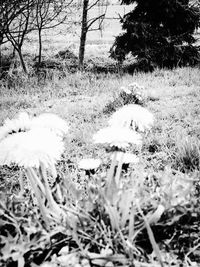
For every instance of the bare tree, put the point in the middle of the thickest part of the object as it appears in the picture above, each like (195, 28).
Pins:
(15, 24)
(49, 14)
(9, 11)
(19, 27)
(88, 23)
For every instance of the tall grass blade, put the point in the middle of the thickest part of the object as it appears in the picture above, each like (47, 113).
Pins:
(151, 236)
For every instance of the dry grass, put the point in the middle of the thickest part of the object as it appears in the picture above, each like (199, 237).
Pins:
(80, 99)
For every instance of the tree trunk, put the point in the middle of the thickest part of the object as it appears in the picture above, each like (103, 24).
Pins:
(40, 47)
(84, 30)
(22, 60)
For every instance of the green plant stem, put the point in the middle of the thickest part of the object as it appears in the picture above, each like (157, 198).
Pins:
(111, 170)
(37, 180)
(21, 182)
(53, 171)
(55, 209)
(119, 169)
(151, 236)
(111, 185)
(37, 194)
(114, 219)
(59, 193)
(131, 224)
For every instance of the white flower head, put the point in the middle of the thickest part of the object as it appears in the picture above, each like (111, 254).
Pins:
(125, 90)
(126, 158)
(117, 137)
(31, 148)
(21, 124)
(137, 90)
(89, 164)
(135, 86)
(51, 122)
(132, 116)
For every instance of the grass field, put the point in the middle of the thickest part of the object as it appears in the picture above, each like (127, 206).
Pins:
(80, 98)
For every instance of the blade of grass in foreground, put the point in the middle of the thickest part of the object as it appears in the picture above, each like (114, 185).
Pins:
(151, 236)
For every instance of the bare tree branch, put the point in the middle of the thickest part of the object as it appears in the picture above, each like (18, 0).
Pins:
(94, 20)
(92, 5)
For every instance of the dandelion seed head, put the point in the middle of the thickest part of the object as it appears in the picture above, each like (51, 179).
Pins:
(137, 90)
(135, 86)
(117, 137)
(89, 164)
(21, 124)
(132, 116)
(31, 148)
(125, 90)
(51, 122)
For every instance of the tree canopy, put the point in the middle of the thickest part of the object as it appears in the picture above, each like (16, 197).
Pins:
(159, 33)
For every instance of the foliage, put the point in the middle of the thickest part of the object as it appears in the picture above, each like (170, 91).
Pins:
(159, 34)
(105, 233)
(132, 95)
(187, 156)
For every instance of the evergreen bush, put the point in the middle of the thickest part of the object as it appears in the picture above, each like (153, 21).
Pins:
(159, 33)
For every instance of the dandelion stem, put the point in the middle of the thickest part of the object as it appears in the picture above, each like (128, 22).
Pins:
(37, 194)
(37, 180)
(110, 178)
(131, 224)
(111, 170)
(114, 218)
(53, 170)
(119, 168)
(53, 205)
(59, 193)
(21, 182)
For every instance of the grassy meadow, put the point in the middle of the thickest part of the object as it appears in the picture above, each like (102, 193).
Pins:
(152, 219)
(170, 151)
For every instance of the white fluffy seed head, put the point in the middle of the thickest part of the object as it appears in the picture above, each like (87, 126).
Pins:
(30, 142)
(117, 136)
(89, 164)
(132, 116)
(51, 122)
(31, 148)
